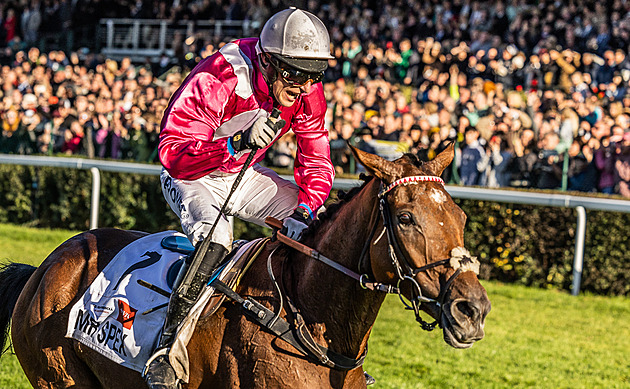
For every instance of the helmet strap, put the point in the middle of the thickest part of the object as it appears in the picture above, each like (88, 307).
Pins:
(270, 75)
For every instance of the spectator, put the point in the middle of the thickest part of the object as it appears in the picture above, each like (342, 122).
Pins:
(622, 165)
(31, 20)
(546, 168)
(339, 152)
(582, 173)
(605, 163)
(73, 139)
(495, 163)
(471, 168)
(9, 25)
(11, 131)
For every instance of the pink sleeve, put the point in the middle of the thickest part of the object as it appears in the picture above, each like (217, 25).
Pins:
(314, 172)
(189, 125)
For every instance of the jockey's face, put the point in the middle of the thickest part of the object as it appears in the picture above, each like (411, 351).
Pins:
(287, 94)
(289, 82)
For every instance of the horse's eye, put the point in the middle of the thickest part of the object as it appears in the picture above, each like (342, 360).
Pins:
(405, 218)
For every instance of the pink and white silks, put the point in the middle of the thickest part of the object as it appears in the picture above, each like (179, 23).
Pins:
(225, 93)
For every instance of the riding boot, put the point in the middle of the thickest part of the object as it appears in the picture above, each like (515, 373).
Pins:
(159, 374)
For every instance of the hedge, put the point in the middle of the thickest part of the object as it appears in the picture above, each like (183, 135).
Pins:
(535, 245)
(522, 244)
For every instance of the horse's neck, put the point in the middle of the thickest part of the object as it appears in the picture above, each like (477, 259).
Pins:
(329, 297)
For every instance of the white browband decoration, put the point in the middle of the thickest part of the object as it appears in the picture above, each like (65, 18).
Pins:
(410, 180)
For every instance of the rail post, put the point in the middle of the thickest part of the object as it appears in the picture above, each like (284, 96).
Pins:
(96, 197)
(578, 259)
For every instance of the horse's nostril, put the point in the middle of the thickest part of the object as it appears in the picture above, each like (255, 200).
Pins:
(467, 309)
(468, 319)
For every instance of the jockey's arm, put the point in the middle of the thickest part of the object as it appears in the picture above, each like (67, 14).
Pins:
(187, 148)
(314, 171)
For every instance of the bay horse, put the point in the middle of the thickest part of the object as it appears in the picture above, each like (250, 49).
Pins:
(400, 230)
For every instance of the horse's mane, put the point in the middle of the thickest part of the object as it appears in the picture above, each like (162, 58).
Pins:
(342, 199)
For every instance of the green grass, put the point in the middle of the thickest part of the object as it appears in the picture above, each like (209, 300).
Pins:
(534, 338)
(29, 245)
(32, 246)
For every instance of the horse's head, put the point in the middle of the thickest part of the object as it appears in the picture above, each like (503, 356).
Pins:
(420, 246)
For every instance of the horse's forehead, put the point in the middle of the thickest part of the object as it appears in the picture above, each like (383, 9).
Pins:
(437, 196)
(424, 193)
(429, 198)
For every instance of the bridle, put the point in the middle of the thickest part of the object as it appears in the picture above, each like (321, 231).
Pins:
(297, 334)
(460, 259)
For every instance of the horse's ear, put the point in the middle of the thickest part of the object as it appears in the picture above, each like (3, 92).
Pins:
(441, 162)
(377, 166)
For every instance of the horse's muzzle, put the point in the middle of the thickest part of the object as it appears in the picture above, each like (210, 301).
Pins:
(463, 321)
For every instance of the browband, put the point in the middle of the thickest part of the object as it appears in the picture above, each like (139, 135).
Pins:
(410, 180)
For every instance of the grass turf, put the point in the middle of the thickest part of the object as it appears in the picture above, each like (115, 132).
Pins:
(534, 338)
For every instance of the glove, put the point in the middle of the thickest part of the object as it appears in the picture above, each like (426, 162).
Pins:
(258, 136)
(294, 225)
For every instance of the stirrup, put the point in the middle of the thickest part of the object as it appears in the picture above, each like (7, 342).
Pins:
(156, 353)
(158, 372)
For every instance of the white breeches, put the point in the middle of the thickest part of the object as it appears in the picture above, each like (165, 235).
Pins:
(197, 203)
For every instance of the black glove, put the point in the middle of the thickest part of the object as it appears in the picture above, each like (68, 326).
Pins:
(294, 225)
(258, 136)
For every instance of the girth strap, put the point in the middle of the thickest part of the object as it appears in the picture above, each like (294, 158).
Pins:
(299, 337)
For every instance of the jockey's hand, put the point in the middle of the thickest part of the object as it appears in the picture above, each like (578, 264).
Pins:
(258, 136)
(294, 225)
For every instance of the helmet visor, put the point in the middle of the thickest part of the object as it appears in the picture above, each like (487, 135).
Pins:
(293, 76)
(305, 64)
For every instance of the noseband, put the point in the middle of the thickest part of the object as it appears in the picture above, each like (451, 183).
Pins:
(460, 259)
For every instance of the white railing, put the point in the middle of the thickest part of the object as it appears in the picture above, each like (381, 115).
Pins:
(149, 38)
(581, 203)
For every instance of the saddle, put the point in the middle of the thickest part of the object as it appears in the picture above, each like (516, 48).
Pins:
(242, 260)
(121, 314)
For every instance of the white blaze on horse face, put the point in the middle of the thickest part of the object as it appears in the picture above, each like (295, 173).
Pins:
(437, 196)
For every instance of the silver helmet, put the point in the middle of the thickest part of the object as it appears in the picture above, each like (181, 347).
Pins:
(297, 38)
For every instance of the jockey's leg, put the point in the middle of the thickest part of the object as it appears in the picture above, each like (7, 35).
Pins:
(186, 293)
(266, 194)
(159, 372)
(197, 203)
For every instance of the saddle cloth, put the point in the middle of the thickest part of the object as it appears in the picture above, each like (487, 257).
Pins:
(117, 317)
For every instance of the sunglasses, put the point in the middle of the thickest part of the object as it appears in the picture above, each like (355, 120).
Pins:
(295, 77)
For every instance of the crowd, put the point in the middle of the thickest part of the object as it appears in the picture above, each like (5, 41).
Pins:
(52, 103)
(535, 94)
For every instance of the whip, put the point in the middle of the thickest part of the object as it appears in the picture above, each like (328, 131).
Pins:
(205, 243)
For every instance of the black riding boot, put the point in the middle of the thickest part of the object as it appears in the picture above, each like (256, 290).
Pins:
(159, 373)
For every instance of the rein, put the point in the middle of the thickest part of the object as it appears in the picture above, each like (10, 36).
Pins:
(299, 336)
(460, 259)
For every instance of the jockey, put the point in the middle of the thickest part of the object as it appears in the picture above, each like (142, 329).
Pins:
(214, 120)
